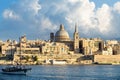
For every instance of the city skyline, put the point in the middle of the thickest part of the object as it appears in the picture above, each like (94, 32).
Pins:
(95, 18)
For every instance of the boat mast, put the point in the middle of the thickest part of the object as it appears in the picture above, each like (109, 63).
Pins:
(20, 50)
(11, 53)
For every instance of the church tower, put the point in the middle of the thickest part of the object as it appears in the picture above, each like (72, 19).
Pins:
(76, 40)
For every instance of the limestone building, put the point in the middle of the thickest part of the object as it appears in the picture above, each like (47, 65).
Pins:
(54, 48)
(8, 47)
(77, 45)
(62, 36)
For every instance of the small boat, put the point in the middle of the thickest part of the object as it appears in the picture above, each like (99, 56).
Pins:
(15, 70)
(58, 62)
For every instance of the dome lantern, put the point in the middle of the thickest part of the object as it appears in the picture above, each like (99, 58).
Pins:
(61, 27)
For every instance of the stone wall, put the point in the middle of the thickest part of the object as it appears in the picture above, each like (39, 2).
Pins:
(114, 59)
(41, 58)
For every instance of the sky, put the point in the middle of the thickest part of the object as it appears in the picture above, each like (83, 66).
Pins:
(37, 18)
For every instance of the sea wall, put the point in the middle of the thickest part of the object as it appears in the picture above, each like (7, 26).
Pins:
(70, 59)
(113, 59)
(41, 58)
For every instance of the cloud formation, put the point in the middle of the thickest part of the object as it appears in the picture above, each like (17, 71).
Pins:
(9, 14)
(37, 18)
(117, 7)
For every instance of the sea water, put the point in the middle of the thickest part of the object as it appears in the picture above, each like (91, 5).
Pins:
(68, 72)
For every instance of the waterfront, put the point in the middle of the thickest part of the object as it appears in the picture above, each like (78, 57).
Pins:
(68, 72)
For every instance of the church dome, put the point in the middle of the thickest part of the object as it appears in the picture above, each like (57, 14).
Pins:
(62, 34)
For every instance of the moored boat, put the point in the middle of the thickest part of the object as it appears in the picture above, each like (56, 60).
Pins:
(58, 62)
(18, 70)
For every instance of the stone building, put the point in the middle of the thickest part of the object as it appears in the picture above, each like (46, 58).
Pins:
(78, 45)
(23, 41)
(107, 51)
(90, 46)
(62, 36)
(55, 48)
(28, 46)
(116, 49)
(8, 47)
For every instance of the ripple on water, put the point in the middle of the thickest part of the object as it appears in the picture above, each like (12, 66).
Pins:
(70, 72)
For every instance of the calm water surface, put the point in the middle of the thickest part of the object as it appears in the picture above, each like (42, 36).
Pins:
(68, 72)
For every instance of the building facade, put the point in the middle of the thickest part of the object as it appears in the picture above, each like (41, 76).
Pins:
(78, 45)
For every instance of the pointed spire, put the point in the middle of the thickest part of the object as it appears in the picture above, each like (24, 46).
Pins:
(76, 28)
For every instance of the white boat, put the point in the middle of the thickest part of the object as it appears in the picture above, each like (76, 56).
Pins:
(58, 62)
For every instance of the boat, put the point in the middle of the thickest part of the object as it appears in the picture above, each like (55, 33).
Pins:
(17, 69)
(58, 62)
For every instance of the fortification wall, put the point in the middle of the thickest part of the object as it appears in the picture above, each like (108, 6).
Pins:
(107, 59)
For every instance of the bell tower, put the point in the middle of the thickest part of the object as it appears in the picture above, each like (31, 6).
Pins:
(76, 40)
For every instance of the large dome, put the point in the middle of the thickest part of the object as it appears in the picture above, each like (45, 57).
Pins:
(62, 34)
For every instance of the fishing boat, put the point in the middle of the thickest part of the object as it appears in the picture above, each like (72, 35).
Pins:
(18, 70)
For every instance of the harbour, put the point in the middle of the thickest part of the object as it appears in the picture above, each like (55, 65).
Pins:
(68, 72)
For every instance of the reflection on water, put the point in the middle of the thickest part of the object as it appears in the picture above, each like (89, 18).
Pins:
(68, 72)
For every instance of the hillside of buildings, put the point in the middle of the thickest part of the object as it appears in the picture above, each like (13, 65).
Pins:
(60, 48)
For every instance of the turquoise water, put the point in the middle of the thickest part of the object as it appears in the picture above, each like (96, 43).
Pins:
(68, 72)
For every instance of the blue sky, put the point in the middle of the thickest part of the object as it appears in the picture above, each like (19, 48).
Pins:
(5, 4)
(37, 18)
(99, 3)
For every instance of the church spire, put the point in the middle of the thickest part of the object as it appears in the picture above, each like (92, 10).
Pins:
(76, 40)
(76, 28)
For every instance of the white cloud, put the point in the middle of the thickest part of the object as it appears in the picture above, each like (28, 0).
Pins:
(83, 14)
(104, 17)
(46, 24)
(43, 16)
(31, 6)
(117, 7)
(92, 21)
(73, 1)
(9, 14)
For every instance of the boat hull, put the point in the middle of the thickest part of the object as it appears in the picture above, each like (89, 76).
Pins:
(15, 70)
(15, 73)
